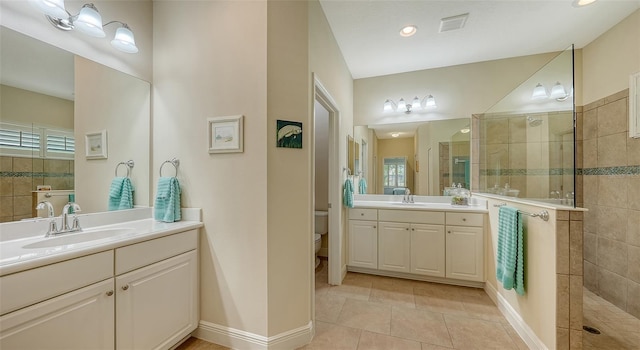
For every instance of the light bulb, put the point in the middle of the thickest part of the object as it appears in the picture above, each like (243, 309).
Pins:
(89, 21)
(124, 40)
(539, 92)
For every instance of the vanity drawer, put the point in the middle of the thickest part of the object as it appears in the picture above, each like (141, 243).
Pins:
(363, 214)
(465, 219)
(146, 253)
(412, 216)
(32, 286)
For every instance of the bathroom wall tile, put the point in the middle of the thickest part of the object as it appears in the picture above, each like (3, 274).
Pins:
(633, 300)
(612, 287)
(562, 300)
(575, 248)
(562, 215)
(612, 223)
(517, 156)
(613, 118)
(6, 163)
(22, 186)
(38, 165)
(579, 157)
(591, 218)
(590, 276)
(612, 150)
(56, 166)
(576, 215)
(72, 167)
(6, 206)
(617, 96)
(590, 247)
(562, 247)
(6, 219)
(519, 182)
(633, 264)
(590, 125)
(37, 181)
(575, 301)
(612, 191)
(633, 151)
(22, 217)
(590, 192)
(579, 125)
(612, 256)
(22, 164)
(575, 339)
(562, 338)
(6, 186)
(517, 129)
(590, 153)
(22, 205)
(593, 105)
(497, 130)
(633, 228)
(633, 192)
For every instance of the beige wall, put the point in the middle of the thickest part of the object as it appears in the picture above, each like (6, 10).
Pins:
(392, 148)
(608, 61)
(321, 135)
(22, 17)
(28, 107)
(102, 105)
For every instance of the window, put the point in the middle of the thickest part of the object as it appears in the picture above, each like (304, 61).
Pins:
(36, 141)
(394, 172)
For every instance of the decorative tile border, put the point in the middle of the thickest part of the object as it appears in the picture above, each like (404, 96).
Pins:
(33, 174)
(614, 170)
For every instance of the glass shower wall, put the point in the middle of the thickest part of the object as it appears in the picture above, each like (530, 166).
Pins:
(525, 142)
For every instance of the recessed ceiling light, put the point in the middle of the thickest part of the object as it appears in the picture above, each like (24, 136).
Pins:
(409, 30)
(580, 3)
(395, 134)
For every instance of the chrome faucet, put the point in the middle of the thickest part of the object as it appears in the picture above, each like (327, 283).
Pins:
(53, 229)
(75, 225)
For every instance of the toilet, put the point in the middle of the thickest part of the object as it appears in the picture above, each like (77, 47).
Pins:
(322, 227)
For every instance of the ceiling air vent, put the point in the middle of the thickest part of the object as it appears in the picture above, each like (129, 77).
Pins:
(453, 23)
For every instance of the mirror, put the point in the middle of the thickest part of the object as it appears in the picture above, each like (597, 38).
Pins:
(53, 95)
(350, 155)
(424, 157)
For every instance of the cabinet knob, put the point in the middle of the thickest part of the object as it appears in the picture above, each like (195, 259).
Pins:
(374, 226)
(464, 219)
(407, 229)
(448, 231)
(361, 214)
(109, 293)
(125, 287)
(413, 229)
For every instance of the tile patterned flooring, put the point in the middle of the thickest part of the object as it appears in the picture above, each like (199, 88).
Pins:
(374, 312)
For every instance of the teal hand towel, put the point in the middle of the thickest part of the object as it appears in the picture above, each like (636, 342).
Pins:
(510, 259)
(362, 186)
(120, 194)
(347, 193)
(167, 203)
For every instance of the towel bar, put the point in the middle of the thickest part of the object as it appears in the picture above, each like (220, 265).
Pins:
(129, 164)
(348, 170)
(544, 215)
(175, 162)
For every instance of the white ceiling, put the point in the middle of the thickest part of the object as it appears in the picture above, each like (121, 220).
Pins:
(367, 31)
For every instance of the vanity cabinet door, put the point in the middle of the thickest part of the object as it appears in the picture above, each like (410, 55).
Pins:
(465, 259)
(427, 250)
(157, 304)
(363, 244)
(82, 319)
(394, 247)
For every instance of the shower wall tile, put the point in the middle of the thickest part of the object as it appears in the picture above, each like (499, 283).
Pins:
(612, 150)
(612, 118)
(633, 192)
(633, 227)
(591, 219)
(612, 287)
(633, 300)
(576, 215)
(6, 163)
(579, 125)
(576, 247)
(593, 105)
(6, 186)
(612, 191)
(562, 247)
(633, 265)
(534, 156)
(590, 124)
(517, 129)
(22, 164)
(562, 300)
(590, 153)
(22, 186)
(633, 151)
(497, 130)
(590, 248)
(22, 205)
(623, 94)
(38, 165)
(612, 256)
(590, 276)
(517, 156)
(575, 303)
(590, 192)
(579, 154)
(612, 223)
(6, 206)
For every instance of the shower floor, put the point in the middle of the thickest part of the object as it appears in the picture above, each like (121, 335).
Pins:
(618, 329)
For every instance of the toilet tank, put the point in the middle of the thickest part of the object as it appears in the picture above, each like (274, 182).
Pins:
(322, 221)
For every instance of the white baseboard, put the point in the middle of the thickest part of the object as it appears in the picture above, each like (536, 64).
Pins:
(239, 339)
(515, 320)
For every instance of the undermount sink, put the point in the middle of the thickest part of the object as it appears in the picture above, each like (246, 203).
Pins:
(79, 237)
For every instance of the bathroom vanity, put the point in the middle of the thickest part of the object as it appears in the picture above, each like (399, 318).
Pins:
(429, 239)
(133, 287)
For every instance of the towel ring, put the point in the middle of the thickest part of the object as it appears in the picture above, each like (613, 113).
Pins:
(175, 162)
(129, 164)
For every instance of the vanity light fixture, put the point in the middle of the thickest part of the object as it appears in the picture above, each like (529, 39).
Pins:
(415, 105)
(558, 92)
(87, 21)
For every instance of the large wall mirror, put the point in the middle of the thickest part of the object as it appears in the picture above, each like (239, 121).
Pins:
(425, 157)
(50, 100)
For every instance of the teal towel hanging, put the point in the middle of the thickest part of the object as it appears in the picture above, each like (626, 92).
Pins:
(510, 257)
(120, 194)
(362, 186)
(347, 193)
(167, 203)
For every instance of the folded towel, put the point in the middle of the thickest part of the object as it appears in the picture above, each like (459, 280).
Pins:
(510, 260)
(347, 193)
(167, 203)
(362, 186)
(121, 194)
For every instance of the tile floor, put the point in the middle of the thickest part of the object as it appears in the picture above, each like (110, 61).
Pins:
(373, 312)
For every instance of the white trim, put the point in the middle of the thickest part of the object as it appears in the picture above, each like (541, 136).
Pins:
(239, 339)
(514, 319)
(634, 108)
(416, 277)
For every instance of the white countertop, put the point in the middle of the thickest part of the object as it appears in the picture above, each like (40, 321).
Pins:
(430, 203)
(15, 256)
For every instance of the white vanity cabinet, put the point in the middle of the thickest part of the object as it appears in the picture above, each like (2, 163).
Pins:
(465, 246)
(394, 242)
(362, 238)
(427, 250)
(140, 296)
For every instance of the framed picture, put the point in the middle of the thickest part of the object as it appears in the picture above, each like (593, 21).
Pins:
(225, 134)
(289, 134)
(96, 145)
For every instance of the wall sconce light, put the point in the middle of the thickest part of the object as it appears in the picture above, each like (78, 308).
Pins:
(558, 92)
(415, 105)
(87, 21)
